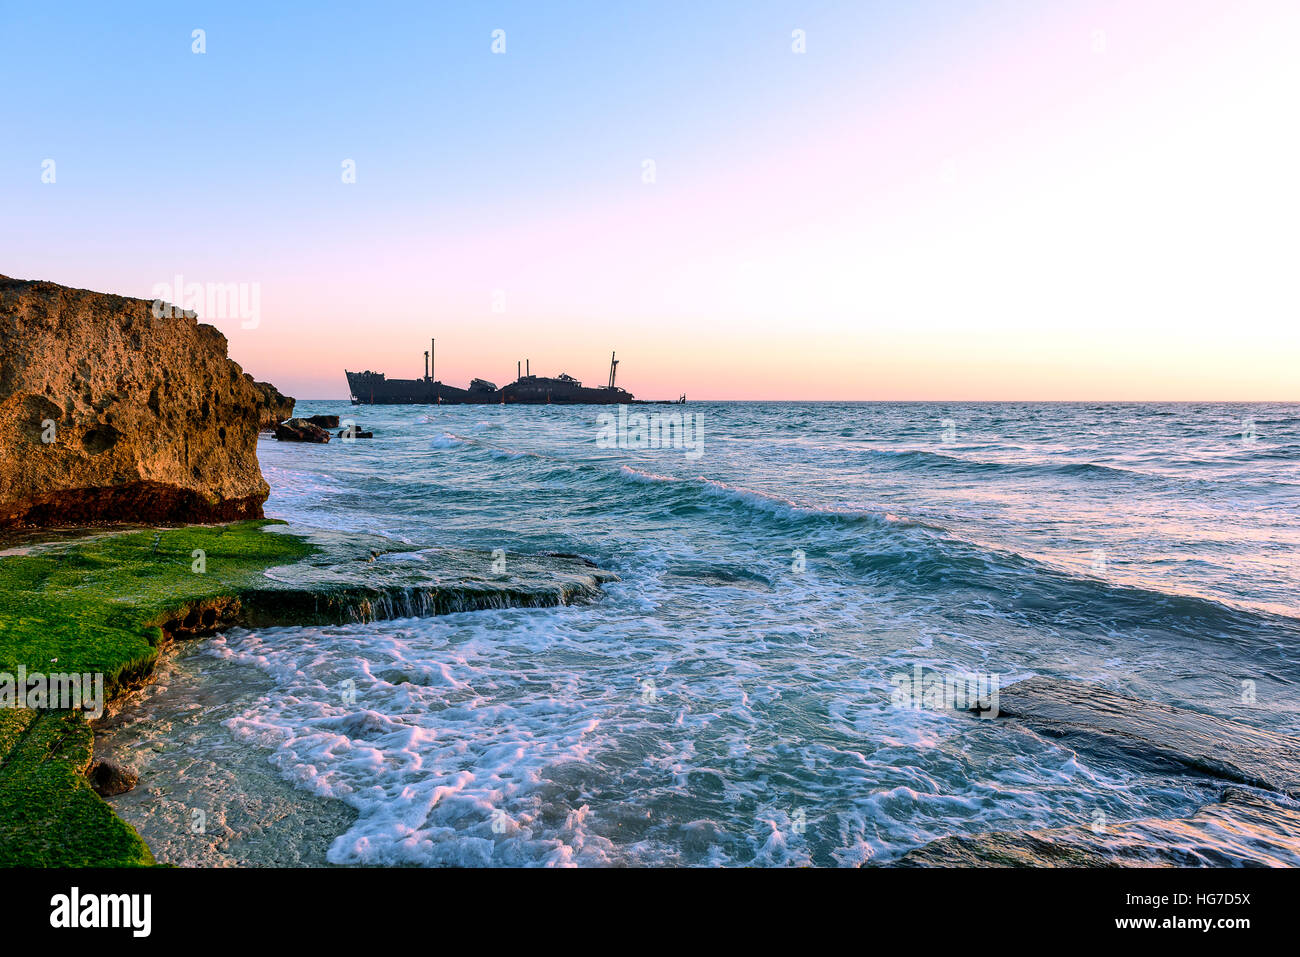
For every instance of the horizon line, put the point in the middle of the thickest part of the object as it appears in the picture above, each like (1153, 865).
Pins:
(876, 401)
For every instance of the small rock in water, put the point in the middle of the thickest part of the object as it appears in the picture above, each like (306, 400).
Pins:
(354, 432)
(301, 430)
(109, 778)
(324, 421)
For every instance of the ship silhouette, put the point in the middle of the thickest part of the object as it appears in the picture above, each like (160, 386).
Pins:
(374, 388)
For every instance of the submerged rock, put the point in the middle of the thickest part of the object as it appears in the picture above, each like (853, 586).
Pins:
(354, 432)
(108, 603)
(1244, 827)
(109, 778)
(300, 430)
(1089, 717)
(111, 414)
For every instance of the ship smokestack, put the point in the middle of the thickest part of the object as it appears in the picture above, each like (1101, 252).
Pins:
(433, 359)
(426, 364)
(527, 368)
(517, 375)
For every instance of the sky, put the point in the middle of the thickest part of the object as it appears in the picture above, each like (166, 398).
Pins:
(747, 200)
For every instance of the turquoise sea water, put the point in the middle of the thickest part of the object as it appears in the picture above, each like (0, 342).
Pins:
(729, 701)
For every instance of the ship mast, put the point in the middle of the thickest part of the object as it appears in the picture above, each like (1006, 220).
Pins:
(613, 369)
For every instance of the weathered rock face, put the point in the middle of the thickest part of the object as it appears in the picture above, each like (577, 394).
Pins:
(108, 414)
(276, 406)
(300, 430)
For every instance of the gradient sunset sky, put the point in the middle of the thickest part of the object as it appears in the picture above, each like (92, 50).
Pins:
(964, 200)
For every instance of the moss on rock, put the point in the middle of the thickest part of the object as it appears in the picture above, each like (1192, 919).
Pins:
(95, 606)
(49, 815)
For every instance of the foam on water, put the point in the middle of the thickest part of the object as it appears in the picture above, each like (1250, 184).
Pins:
(500, 738)
(729, 700)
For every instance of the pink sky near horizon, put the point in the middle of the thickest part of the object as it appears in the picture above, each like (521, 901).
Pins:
(1025, 216)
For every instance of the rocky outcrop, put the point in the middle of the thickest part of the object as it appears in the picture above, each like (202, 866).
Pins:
(300, 430)
(276, 406)
(324, 421)
(110, 414)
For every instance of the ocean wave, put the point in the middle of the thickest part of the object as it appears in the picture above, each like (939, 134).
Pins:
(1291, 451)
(767, 502)
(721, 705)
(923, 458)
(449, 440)
(1030, 590)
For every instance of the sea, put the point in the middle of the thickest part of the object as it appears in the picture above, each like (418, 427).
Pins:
(785, 570)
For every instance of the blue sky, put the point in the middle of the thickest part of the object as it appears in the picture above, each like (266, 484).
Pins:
(926, 185)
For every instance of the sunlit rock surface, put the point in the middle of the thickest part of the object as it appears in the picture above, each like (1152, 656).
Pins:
(111, 414)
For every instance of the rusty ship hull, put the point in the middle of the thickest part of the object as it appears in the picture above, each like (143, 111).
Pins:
(375, 388)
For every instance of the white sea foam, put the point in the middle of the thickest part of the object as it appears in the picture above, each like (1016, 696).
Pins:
(512, 737)
(722, 703)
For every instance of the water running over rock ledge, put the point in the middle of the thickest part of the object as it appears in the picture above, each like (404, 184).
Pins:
(111, 604)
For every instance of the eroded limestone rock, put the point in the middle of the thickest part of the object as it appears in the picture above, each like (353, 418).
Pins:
(109, 414)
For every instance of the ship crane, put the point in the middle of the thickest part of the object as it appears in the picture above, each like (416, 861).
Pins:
(613, 369)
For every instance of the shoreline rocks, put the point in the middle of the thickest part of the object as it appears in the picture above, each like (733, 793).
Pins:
(276, 406)
(300, 430)
(111, 414)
